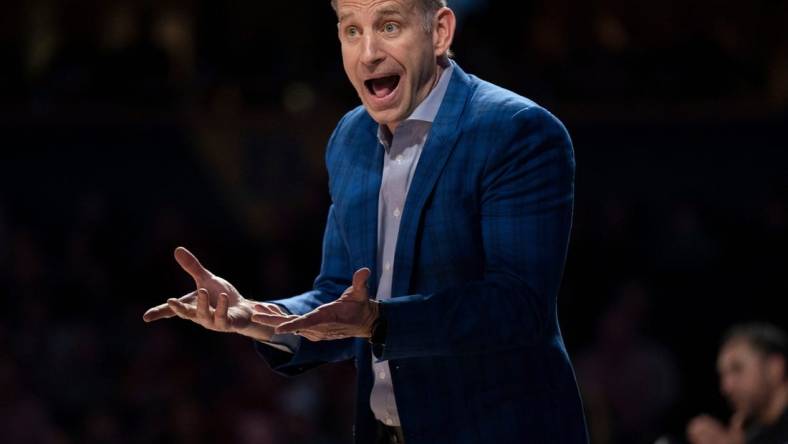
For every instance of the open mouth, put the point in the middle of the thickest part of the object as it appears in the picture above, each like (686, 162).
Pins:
(383, 86)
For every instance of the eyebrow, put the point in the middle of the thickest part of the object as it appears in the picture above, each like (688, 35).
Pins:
(385, 12)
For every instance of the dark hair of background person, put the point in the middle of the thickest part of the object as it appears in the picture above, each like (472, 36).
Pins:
(766, 338)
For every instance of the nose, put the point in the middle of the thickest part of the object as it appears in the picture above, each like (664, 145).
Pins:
(727, 386)
(371, 53)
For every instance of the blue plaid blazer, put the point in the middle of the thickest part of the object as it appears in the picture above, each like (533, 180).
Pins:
(473, 341)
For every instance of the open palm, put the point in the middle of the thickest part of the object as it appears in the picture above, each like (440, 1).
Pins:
(215, 304)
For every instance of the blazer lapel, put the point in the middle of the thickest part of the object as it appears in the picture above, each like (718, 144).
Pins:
(364, 223)
(440, 143)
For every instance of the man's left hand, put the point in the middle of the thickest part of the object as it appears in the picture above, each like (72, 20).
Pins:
(352, 315)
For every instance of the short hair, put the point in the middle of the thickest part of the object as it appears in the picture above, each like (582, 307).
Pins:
(429, 7)
(766, 338)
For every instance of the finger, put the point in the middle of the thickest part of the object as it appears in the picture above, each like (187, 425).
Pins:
(360, 280)
(267, 308)
(697, 434)
(358, 289)
(203, 312)
(699, 424)
(264, 308)
(162, 311)
(303, 322)
(701, 419)
(261, 308)
(278, 309)
(189, 299)
(309, 334)
(220, 315)
(703, 429)
(330, 331)
(323, 334)
(191, 265)
(182, 310)
(271, 320)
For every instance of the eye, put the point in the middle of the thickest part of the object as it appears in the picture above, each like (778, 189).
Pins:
(351, 31)
(390, 27)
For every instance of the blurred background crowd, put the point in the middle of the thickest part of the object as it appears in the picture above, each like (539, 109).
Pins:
(131, 127)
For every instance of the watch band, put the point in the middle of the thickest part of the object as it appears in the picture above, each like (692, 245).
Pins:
(379, 331)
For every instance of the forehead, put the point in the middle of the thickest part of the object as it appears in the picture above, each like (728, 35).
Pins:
(737, 351)
(352, 8)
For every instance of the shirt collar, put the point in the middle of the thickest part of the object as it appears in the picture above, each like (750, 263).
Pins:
(427, 110)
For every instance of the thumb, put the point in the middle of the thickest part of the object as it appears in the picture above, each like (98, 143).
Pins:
(191, 265)
(360, 284)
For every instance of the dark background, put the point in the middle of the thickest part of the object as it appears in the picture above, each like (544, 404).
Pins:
(129, 128)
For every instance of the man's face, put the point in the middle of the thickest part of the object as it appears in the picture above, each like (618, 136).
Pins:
(388, 56)
(743, 377)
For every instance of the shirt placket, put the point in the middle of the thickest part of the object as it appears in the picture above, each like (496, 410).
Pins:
(393, 192)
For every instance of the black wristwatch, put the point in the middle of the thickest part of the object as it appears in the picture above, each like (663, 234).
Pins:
(379, 331)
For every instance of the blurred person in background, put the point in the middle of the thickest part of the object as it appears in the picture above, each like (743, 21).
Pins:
(753, 377)
(620, 406)
(472, 186)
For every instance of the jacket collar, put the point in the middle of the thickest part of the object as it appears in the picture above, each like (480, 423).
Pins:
(427, 109)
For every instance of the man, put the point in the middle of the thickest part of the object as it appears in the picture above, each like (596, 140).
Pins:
(443, 250)
(752, 367)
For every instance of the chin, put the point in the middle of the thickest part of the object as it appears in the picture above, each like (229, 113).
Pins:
(742, 407)
(384, 117)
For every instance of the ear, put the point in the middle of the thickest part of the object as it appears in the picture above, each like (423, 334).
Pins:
(443, 28)
(775, 369)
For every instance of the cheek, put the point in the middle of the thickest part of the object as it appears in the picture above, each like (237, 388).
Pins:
(348, 61)
(738, 384)
(421, 63)
(752, 384)
(350, 73)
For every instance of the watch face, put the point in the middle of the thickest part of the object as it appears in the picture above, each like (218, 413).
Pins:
(377, 350)
(379, 331)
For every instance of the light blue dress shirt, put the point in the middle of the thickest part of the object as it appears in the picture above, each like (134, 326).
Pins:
(403, 150)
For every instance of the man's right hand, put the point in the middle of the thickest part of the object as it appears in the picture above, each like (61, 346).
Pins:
(706, 430)
(215, 304)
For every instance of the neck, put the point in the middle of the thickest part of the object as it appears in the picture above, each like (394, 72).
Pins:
(433, 83)
(776, 406)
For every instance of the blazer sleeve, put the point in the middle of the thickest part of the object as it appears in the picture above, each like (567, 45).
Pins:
(527, 191)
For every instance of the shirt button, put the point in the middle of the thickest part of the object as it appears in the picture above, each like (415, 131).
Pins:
(387, 266)
(389, 421)
(382, 375)
(397, 212)
(399, 158)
